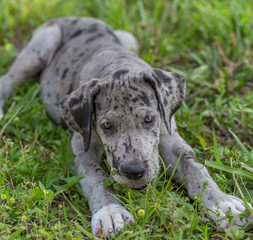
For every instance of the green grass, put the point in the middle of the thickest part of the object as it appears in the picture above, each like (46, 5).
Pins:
(209, 42)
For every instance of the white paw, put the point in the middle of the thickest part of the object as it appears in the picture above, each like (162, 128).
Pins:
(110, 220)
(220, 208)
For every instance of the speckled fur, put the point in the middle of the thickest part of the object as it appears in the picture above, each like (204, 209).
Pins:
(88, 70)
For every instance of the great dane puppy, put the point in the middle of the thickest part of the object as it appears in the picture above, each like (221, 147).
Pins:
(105, 93)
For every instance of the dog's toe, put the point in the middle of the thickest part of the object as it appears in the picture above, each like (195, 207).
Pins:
(110, 220)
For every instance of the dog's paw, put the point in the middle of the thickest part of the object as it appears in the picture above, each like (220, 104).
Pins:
(110, 220)
(220, 208)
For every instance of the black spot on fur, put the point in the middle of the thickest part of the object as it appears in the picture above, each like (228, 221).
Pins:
(165, 79)
(92, 28)
(105, 66)
(156, 79)
(122, 57)
(74, 60)
(70, 87)
(126, 147)
(134, 88)
(57, 71)
(98, 106)
(115, 161)
(93, 84)
(155, 133)
(115, 39)
(135, 100)
(190, 154)
(77, 33)
(130, 143)
(116, 147)
(73, 102)
(73, 22)
(144, 97)
(120, 73)
(91, 39)
(64, 73)
(177, 76)
(112, 85)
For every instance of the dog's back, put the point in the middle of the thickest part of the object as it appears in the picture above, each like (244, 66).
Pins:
(81, 39)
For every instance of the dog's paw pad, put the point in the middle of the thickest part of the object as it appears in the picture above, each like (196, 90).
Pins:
(110, 220)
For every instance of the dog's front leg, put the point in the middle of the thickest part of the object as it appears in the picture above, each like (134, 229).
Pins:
(108, 216)
(194, 175)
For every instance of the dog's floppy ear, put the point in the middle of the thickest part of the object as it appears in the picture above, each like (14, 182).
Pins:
(169, 89)
(77, 109)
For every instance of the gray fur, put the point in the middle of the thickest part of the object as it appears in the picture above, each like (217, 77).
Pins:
(89, 71)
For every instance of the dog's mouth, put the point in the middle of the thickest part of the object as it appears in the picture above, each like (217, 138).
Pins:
(134, 182)
(141, 188)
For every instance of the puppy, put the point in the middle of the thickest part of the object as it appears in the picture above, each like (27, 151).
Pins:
(106, 94)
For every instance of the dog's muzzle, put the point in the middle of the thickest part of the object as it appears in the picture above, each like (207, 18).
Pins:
(133, 170)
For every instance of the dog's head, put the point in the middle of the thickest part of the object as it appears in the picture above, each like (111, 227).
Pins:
(126, 111)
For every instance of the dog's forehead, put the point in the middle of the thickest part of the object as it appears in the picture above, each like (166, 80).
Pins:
(125, 94)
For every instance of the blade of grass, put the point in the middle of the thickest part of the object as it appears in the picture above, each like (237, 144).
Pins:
(16, 233)
(5, 126)
(83, 230)
(171, 176)
(215, 148)
(82, 218)
(244, 149)
(229, 169)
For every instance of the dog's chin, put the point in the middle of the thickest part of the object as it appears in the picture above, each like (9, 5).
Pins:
(135, 184)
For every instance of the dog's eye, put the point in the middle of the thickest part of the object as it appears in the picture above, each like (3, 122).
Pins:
(107, 125)
(149, 119)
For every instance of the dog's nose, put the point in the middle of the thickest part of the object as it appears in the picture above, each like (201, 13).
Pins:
(133, 170)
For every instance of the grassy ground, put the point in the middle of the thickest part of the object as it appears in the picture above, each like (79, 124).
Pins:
(209, 42)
